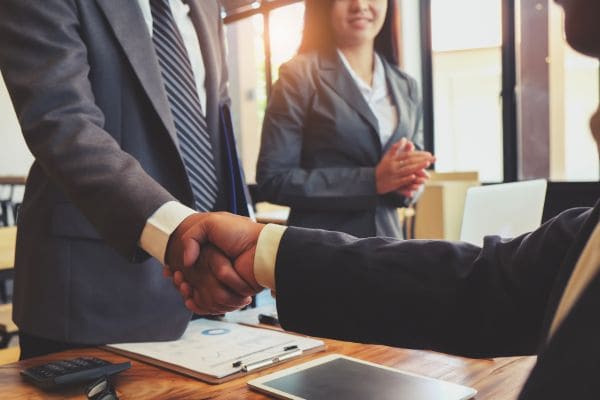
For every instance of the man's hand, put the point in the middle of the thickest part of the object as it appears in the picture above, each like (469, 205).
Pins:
(214, 281)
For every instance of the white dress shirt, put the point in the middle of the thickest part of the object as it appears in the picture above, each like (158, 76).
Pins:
(188, 33)
(165, 220)
(378, 97)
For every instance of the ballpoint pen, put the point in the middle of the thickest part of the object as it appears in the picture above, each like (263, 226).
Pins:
(287, 353)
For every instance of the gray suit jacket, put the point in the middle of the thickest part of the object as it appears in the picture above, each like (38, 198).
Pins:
(88, 92)
(320, 147)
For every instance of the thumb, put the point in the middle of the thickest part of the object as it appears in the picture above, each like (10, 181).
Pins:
(395, 148)
(402, 143)
(191, 252)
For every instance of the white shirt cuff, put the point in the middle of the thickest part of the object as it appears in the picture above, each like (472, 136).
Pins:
(160, 226)
(266, 254)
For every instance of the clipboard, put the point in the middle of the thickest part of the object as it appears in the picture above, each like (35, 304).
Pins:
(216, 352)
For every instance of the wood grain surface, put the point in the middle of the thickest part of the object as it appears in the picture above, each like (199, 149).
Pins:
(497, 379)
(8, 242)
(12, 180)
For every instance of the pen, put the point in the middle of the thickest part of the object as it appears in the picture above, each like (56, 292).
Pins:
(288, 352)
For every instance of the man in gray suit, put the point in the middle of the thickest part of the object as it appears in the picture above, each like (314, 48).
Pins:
(119, 103)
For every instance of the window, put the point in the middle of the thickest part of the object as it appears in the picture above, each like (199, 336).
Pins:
(247, 86)
(254, 59)
(558, 92)
(286, 25)
(467, 80)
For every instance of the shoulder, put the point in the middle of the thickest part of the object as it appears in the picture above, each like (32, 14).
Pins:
(301, 63)
(300, 71)
(396, 74)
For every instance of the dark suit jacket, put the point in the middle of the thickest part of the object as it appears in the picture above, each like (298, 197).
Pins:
(320, 146)
(498, 300)
(88, 92)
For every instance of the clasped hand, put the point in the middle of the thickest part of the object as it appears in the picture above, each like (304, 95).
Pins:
(402, 169)
(210, 258)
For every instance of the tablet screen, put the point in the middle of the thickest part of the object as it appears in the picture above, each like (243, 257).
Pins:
(348, 379)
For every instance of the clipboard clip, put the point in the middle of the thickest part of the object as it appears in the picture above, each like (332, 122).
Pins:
(287, 353)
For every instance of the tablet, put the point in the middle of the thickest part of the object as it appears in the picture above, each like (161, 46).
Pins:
(340, 377)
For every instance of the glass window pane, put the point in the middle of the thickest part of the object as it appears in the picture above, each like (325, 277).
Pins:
(247, 76)
(286, 25)
(557, 93)
(247, 88)
(410, 40)
(467, 82)
(574, 87)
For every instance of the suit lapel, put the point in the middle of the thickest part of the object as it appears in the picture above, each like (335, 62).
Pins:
(129, 27)
(336, 76)
(401, 102)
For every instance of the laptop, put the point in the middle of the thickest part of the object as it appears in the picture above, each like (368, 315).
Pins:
(506, 210)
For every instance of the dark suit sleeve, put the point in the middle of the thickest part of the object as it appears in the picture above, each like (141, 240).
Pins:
(281, 178)
(445, 296)
(44, 62)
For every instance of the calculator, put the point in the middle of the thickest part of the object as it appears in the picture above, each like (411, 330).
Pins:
(69, 372)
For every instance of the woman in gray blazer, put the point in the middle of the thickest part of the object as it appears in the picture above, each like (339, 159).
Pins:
(340, 130)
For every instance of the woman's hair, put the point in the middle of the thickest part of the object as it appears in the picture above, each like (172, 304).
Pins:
(318, 33)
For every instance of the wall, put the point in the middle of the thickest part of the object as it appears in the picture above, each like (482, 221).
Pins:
(15, 158)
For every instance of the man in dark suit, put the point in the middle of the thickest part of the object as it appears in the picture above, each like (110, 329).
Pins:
(119, 103)
(535, 294)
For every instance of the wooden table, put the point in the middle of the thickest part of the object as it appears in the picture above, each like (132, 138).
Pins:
(12, 180)
(498, 379)
(8, 242)
(8, 328)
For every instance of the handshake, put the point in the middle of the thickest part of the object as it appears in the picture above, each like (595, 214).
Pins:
(210, 258)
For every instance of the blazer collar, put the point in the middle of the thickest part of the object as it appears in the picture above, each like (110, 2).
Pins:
(400, 96)
(566, 271)
(335, 75)
(129, 27)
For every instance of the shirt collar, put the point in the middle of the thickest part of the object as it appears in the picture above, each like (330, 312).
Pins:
(379, 87)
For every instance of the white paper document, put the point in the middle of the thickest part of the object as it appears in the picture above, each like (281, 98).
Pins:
(219, 349)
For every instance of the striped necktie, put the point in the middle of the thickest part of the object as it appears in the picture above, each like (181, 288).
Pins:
(190, 123)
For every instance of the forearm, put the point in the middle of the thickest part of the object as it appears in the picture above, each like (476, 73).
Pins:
(44, 61)
(451, 297)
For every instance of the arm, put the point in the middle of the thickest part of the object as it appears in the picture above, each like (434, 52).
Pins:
(450, 297)
(44, 62)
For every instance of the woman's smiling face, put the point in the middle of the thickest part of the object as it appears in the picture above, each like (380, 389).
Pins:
(356, 22)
